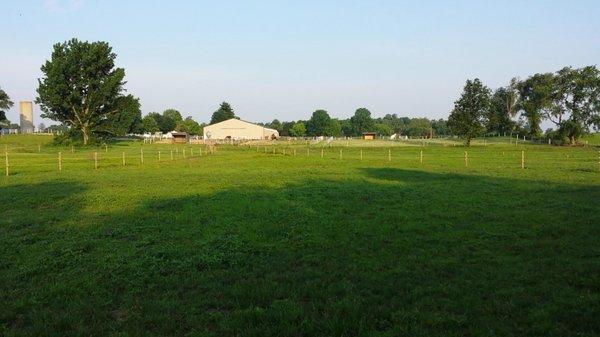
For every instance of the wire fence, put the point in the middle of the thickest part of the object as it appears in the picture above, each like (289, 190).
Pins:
(29, 159)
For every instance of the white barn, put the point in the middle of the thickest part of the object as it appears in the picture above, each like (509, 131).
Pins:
(238, 129)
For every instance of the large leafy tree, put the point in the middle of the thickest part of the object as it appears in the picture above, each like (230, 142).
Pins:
(361, 121)
(224, 113)
(318, 123)
(575, 104)
(80, 86)
(502, 109)
(535, 96)
(468, 117)
(5, 105)
(126, 118)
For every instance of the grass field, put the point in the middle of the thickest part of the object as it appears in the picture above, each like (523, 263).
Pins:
(247, 243)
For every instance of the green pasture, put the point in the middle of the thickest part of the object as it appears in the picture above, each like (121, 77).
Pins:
(296, 239)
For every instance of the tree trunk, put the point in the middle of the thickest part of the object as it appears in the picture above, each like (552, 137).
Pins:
(85, 133)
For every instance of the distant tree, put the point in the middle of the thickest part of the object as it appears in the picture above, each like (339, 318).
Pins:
(173, 114)
(334, 128)
(419, 127)
(382, 129)
(276, 125)
(575, 104)
(190, 126)
(440, 127)
(467, 119)
(80, 85)
(224, 113)
(535, 95)
(285, 128)
(502, 109)
(42, 127)
(318, 123)
(126, 118)
(149, 124)
(58, 128)
(298, 130)
(361, 121)
(346, 127)
(5, 105)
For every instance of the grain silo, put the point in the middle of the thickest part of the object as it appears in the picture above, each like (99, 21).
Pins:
(26, 116)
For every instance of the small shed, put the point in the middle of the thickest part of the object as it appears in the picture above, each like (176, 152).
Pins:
(179, 137)
(369, 135)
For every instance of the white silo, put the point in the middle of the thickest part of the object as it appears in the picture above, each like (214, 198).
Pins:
(26, 115)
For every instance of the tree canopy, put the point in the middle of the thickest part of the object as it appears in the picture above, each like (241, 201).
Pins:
(468, 117)
(318, 123)
(224, 113)
(80, 86)
(361, 121)
(298, 130)
(5, 105)
(126, 118)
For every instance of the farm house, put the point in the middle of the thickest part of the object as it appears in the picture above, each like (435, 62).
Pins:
(238, 129)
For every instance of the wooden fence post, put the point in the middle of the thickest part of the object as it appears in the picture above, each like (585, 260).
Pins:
(60, 162)
(466, 159)
(522, 159)
(123, 153)
(159, 155)
(191, 152)
(105, 147)
(172, 154)
(421, 157)
(389, 155)
(95, 160)
(183, 153)
(321, 152)
(39, 148)
(360, 154)
(308, 151)
(142, 156)
(7, 164)
(340, 153)
(294, 152)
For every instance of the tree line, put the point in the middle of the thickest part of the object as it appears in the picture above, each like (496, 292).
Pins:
(569, 98)
(83, 90)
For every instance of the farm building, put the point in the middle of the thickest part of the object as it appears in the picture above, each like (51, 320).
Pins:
(369, 135)
(238, 129)
(179, 137)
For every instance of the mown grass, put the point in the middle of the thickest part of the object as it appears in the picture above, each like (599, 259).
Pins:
(247, 243)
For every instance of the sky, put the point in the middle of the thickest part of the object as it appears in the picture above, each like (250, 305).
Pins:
(285, 59)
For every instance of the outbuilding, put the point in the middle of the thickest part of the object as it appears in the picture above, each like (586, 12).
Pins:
(368, 135)
(179, 137)
(238, 130)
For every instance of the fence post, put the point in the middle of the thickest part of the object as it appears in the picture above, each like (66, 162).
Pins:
(308, 151)
(72, 149)
(7, 164)
(294, 152)
(183, 153)
(360, 154)
(172, 154)
(321, 152)
(191, 152)
(466, 159)
(421, 157)
(39, 148)
(389, 155)
(123, 153)
(159, 155)
(142, 156)
(60, 162)
(105, 147)
(95, 160)
(340, 153)
(522, 159)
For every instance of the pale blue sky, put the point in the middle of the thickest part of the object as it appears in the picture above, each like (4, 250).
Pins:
(284, 59)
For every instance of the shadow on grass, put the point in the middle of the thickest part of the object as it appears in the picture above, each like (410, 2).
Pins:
(398, 253)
